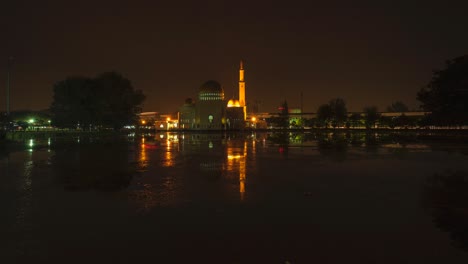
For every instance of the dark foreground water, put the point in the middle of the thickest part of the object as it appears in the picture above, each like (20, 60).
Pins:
(236, 198)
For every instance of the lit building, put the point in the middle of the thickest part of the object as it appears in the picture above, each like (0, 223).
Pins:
(166, 122)
(187, 114)
(148, 119)
(236, 112)
(242, 101)
(210, 108)
(211, 112)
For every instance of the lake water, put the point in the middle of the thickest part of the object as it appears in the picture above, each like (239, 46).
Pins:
(236, 198)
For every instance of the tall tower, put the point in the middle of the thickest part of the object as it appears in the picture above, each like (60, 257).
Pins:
(242, 89)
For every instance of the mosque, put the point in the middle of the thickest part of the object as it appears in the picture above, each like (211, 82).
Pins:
(211, 111)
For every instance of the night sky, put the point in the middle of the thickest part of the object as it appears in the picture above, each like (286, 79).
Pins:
(366, 52)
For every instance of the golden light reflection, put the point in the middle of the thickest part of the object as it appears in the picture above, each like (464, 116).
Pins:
(254, 147)
(142, 158)
(169, 157)
(236, 162)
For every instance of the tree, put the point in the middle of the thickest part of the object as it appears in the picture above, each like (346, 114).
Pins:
(72, 102)
(397, 107)
(371, 116)
(335, 112)
(119, 102)
(324, 114)
(339, 111)
(387, 121)
(355, 120)
(446, 95)
(108, 100)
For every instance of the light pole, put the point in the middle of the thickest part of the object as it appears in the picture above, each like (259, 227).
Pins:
(9, 64)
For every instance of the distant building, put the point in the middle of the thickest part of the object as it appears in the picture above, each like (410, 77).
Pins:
(187, 114)
(148, 119)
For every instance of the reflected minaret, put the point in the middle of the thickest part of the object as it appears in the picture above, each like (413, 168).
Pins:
(236, 163)
(242, 89)
(242, 175)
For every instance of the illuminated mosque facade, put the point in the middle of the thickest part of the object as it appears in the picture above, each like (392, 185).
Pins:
(211, 111)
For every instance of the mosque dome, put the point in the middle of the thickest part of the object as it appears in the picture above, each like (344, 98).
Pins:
(210, 91)
(211, 87)
(233, 103)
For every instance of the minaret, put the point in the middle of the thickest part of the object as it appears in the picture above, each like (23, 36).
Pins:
(242, 89)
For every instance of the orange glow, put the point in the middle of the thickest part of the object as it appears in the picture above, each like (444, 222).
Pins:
(231, 157)
(169, 158)
(233, 103)
(254, 119)
(142, 158)
(168, 119)
(143, 122)
(236, 162)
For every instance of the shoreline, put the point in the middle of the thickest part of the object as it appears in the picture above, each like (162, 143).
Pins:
(24, 135)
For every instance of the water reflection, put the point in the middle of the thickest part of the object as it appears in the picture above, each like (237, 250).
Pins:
(225, 158)
(142, 157)
(236, 162)
(445, 197)
(334, 145)
(282, 140)
(209, 150)
(100, 165)
(168, 154)
(196, 189)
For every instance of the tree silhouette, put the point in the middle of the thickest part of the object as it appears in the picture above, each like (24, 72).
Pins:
(339, 111)
(74, 102)
(371, 116)
(119, 101)
(355, 120)
(324, 114)
(335, 112)
(446, 95)
(397, 106)
(108, 100)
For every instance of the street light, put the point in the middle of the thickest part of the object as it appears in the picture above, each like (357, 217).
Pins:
(254, 124)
